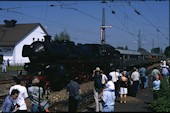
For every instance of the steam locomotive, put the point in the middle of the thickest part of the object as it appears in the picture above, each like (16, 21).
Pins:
(57, 60)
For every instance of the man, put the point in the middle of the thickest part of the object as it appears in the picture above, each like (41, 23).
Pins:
(135, 76)
(4, 66)
(73, 89)
(36, 95)
(22, 95)
(115, 77)
(98, 88)
(104, 78)
(8, 104)
(143, 78)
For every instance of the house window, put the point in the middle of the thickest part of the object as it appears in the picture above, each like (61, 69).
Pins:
(6, 49)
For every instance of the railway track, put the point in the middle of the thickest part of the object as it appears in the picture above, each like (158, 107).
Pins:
(62, 106)
(6, 82)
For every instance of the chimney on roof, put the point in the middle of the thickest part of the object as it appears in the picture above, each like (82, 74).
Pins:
(10, 23)
(47, 38)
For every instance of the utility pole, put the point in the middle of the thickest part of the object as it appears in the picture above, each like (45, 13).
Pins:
(152, 43)
(139, 41)
(169, 31)
(102, 37)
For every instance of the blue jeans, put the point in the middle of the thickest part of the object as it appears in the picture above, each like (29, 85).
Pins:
(34, 108)
(146, 82)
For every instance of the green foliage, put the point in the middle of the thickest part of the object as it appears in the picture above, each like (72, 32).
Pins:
(63, 36)
(162, 104)
(167, 51)
(156, 50)
(15, 68)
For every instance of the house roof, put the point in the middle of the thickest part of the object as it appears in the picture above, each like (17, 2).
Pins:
(9, 36)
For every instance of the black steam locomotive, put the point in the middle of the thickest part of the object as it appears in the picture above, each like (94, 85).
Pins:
(57, 60)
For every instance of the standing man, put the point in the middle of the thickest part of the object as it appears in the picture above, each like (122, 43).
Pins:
(22, 95)
(36, 94)
(73, 89)
(98, 88)
(115, 76)
(104, 78)
(8, 62)
(135, 81)
(4, 66)
(142, 72)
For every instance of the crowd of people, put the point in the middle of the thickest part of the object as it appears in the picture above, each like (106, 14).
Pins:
(115, 86)
(120, 83)
(19, 96)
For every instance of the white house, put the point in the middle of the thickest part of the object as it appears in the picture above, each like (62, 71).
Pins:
(14, 36)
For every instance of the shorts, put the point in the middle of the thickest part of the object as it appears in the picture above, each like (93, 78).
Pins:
(123, 90)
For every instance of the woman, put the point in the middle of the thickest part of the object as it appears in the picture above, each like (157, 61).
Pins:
(123, 87)
(108, 96)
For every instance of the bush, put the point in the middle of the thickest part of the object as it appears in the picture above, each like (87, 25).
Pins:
(162, 104)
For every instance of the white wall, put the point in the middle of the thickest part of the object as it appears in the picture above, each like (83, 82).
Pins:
(38, 33)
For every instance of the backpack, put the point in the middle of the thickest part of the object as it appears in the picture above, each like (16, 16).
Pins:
(98, 81)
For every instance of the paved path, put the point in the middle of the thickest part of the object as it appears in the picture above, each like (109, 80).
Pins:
(134, 104)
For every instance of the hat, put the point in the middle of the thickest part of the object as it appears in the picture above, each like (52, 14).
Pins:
(35, 81)
(110, 85)
(97, 69)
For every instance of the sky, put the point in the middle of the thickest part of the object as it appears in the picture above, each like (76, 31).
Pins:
(82, 20)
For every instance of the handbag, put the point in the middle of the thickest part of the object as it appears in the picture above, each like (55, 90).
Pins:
(76, 97)
(43, 105)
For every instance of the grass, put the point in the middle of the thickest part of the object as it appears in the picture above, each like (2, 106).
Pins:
(15, 68)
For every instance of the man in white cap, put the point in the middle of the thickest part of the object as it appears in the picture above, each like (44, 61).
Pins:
(98, 87)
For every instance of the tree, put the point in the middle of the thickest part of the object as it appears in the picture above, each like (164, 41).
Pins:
(142, 50)
(155, 50)
(126, 47)
(120, 47)
(64, 36)
(167, 51)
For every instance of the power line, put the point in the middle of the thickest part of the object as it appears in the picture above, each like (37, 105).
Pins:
(147, 20)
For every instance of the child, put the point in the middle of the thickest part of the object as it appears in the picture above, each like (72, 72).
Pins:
(156, 86)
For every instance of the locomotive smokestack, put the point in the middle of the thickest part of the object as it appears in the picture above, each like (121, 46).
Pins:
(47, 38)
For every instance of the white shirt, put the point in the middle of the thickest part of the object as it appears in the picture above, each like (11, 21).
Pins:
(110, 85)
(104, 78)
(135, 76)
(114, 76)
(21, 97)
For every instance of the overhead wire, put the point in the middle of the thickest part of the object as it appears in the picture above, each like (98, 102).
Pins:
(148, 20)
(67, 7)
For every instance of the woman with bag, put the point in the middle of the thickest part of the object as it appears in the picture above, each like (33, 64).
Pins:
(73, 89)
(36, 96)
